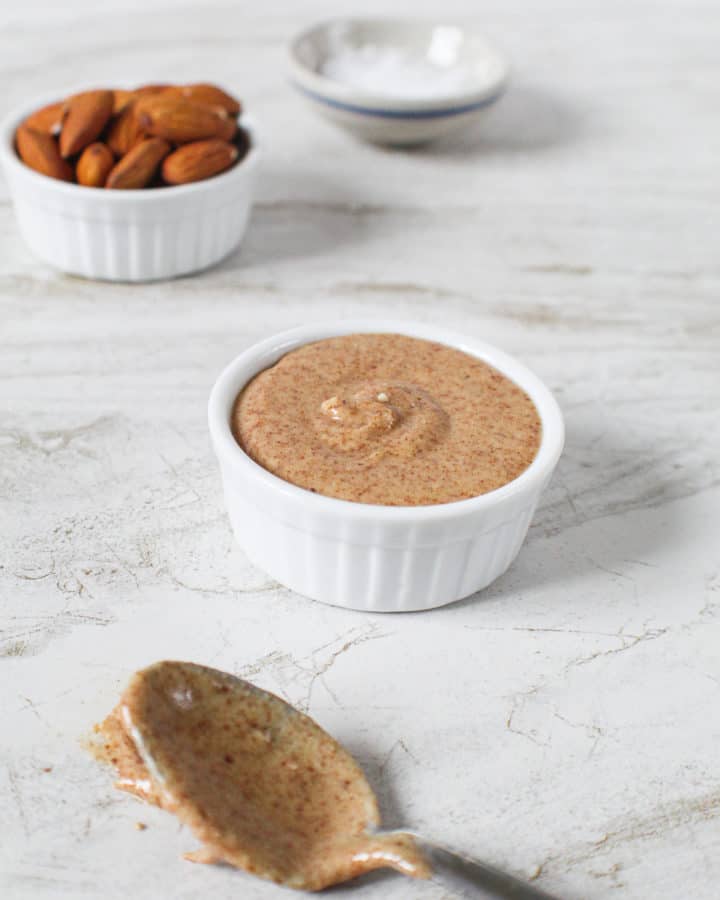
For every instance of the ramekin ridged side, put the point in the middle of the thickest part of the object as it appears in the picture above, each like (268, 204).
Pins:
(370, 557)
(138, 235)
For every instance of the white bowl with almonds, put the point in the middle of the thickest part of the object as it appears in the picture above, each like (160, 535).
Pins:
(131, 185)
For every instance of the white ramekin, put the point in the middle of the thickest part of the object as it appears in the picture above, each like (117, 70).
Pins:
(370, 557)
(141, 235)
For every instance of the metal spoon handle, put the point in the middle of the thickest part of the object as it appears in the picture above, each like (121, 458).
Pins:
(470, 878)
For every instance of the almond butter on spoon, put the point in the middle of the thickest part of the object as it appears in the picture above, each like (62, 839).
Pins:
(261, 785)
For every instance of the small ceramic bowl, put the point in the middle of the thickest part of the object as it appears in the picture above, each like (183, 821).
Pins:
(394, 81)
(138, 235)
(365, 556)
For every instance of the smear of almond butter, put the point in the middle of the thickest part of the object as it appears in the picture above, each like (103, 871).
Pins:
(261, 785)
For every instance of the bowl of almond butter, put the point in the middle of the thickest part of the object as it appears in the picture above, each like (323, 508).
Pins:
(132, 184)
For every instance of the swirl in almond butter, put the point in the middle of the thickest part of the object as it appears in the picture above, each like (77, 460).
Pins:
(387, 419)
(381, 419)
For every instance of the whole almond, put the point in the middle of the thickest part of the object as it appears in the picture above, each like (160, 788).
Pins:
(48, 119)
(125, 131)
(137, 167)
(40, 151)
(121, 98)
(181, 121)
(86, 117)
(199, 160)
(94, 164)
(210, 95)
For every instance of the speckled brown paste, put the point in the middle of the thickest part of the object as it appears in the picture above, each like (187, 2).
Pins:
(388, 419)
(262, 786)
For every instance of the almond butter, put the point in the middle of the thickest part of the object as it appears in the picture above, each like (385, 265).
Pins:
(199, 160)
(94, 164)
(40, 151)
(137, 167)
(124, 131)
(181, 121)
(210, 95)
(48, 119)
(86, 117)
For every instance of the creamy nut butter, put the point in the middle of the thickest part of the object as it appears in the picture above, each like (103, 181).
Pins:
(261, 785)
(388, 419)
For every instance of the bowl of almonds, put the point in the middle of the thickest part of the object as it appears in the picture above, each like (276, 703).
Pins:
(132, 184)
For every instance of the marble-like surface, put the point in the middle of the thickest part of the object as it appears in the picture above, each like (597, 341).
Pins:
(565, 723)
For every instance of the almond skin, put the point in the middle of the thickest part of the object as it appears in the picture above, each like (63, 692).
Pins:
(48, 119)
(136, 168)
(147, 89)
(199, 160)
(210, 95)
(125, 131)
(229, 129)
(94, 165)
(40, 151)
(121, 98)
(181, 121)
(87, 115)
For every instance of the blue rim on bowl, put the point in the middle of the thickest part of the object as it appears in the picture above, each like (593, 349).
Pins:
(399, 113)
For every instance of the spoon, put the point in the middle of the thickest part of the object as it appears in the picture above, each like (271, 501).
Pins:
(264, 788)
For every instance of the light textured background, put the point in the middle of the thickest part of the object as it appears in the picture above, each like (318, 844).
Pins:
(565, 723)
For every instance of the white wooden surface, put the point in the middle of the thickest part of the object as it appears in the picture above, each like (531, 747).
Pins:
(564, 724)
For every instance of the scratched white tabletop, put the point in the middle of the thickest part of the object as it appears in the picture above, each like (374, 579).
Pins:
(564, 723)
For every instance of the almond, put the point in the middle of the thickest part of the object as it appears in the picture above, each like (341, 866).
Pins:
(121, 98)
(94, 165)
(181, 121)
(147, 89)
(48, 119)
(210, 95)
(201, 159)
(229, 128)
(40, 151)
(125, 131)
(136, 168)
(86, 117)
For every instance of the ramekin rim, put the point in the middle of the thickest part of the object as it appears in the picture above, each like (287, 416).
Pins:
(339, 91)
(227, 386)
(9, 157)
